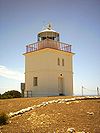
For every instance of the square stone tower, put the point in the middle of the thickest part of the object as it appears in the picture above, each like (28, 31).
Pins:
(48, 66)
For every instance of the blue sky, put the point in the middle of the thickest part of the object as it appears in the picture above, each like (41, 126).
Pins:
(77, 21)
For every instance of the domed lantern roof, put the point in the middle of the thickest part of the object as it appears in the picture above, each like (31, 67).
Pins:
(48, 33)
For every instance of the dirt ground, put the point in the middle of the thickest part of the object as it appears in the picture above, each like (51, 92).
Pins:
(83, 115)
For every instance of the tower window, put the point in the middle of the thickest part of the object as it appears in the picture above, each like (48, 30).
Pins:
(58, 62)
(62, 62)
(35, 81)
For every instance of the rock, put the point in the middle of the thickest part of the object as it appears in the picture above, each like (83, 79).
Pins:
(90, 113)
(71, 130)
(1, 127)
(68, 102)
(9, 121)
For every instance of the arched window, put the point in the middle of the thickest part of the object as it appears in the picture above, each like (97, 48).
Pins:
(62, 62)
(58, 61)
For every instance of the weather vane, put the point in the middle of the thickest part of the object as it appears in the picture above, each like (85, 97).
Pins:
(49, 26)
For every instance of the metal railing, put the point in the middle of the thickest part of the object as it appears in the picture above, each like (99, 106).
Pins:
(48, 43)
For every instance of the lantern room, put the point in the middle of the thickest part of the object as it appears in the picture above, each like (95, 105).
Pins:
(48, 33)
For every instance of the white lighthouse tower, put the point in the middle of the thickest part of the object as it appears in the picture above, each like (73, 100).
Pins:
(48, 66)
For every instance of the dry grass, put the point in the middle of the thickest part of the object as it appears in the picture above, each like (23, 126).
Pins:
(54, 118)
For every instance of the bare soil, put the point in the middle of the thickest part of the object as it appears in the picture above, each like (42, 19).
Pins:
(83, 115)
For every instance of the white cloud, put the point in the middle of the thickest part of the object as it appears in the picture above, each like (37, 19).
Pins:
(11, 74)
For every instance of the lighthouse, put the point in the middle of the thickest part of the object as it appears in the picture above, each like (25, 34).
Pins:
(48, 66)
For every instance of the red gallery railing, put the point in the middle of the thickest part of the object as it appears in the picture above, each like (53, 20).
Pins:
(48, 43)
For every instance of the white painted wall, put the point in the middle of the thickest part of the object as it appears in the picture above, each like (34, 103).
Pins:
(44, 65)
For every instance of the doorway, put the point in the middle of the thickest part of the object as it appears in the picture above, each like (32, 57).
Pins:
(60, 85)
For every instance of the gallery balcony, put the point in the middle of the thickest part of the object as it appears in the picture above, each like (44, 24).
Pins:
(48, 43)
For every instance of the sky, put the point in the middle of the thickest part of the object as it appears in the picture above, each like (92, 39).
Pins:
(77, 21)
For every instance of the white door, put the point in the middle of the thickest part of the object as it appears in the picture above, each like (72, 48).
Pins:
(60, 85)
